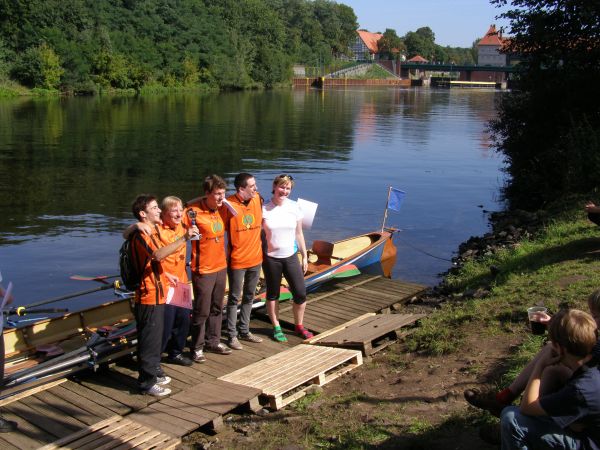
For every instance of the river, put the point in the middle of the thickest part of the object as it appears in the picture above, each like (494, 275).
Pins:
(70, 167)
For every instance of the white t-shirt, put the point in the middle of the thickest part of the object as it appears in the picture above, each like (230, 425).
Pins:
(280, 223)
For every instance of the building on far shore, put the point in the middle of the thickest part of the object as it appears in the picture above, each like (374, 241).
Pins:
(489, 48)
(365, 46)
(491, 51)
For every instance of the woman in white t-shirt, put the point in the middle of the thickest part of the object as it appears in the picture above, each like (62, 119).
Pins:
(282, 223)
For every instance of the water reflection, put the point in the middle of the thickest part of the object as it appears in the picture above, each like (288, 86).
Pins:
(69, 169)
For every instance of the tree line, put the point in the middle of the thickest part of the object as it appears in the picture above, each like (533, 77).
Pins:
(422, 42)
(549, 129)
(86, 46)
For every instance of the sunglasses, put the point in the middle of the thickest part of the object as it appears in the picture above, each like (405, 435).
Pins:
(289, 177)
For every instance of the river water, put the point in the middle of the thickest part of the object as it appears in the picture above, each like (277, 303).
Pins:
(69, 169)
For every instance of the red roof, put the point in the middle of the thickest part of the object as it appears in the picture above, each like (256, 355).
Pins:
(492, 37)
(370, 39)
(417, 59)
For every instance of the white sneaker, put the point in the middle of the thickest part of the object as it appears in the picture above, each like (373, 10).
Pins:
(157, 391)
(234, 344)
(163, 380)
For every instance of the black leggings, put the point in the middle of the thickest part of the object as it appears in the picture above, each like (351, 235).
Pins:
(275, 268)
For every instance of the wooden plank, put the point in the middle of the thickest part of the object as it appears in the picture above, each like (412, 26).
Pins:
(96, 397)
(108, 436)
(136, 441)
(39, 417)
(343, 312)
(371, 334)
(282, 376)
(109, 388)
(184, 420)
(82, 402)
(87, 431)
(201, 415)
(160, 443)
(211, 401)
(28, 436)
(155, 420)
(29, 392)
(355, 304)
(339, 289)
(70, 409)
(122, 436)
(338, 328)
(5, 445)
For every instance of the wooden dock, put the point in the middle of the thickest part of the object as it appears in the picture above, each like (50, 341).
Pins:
(344, 300)
(105, 410)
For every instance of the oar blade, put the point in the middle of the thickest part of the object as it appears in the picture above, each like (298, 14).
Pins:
(284, 294)
(94, 278)
(346, 271)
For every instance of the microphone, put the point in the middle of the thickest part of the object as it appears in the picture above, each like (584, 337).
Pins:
(192, 215)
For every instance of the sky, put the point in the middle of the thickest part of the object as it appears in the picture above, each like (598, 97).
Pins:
(456, 23)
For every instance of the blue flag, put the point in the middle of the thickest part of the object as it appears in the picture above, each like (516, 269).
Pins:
(396, 198)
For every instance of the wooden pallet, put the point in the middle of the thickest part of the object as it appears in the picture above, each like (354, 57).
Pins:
(369, 334)
(116, 432)
(287, 376)
(201, 405)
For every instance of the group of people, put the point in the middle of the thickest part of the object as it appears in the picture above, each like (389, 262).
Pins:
(258, 235)
(559, 389)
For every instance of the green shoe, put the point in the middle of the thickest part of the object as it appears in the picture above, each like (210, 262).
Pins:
(278, 334)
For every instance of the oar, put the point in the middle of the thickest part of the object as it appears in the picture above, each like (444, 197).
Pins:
(65, 297)
(284, 294)
(349, 270)
(21, 311)
(100, 278)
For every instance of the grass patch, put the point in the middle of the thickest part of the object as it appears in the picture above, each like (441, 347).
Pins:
(558, 267)
(375, 72)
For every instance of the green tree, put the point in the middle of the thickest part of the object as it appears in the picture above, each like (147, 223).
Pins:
(38, 67)
(549, 129)
(390, 46)
(420, 42)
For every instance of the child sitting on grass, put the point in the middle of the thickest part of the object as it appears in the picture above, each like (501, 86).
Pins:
(553, 377)
(570, 417)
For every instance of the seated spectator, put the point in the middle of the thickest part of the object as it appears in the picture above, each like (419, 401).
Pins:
(553, 378)
(570, 417)
(593, 212)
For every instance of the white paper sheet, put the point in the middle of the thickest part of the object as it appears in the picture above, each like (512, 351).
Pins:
(309, 209)
(180, 295)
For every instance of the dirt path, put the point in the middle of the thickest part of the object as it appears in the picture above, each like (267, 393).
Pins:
(395, 400)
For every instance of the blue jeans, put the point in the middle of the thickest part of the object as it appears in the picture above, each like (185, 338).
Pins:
(242, 283)
(520, 431)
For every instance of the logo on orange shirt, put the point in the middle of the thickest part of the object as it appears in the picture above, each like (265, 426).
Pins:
(217, 227)
(248, 220)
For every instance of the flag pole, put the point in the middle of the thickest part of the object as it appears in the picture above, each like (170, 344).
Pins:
(385, 213)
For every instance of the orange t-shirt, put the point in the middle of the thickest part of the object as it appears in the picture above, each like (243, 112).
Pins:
(208, 253)
(151, 290)
(175, 262)
(245, 249)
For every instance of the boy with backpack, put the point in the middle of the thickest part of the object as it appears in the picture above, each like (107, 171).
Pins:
(145, 254)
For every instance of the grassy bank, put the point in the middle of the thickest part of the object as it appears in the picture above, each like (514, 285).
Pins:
(410, 395)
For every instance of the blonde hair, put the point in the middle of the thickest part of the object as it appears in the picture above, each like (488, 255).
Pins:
(280, 180)
(574, 330)
(170, 201)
